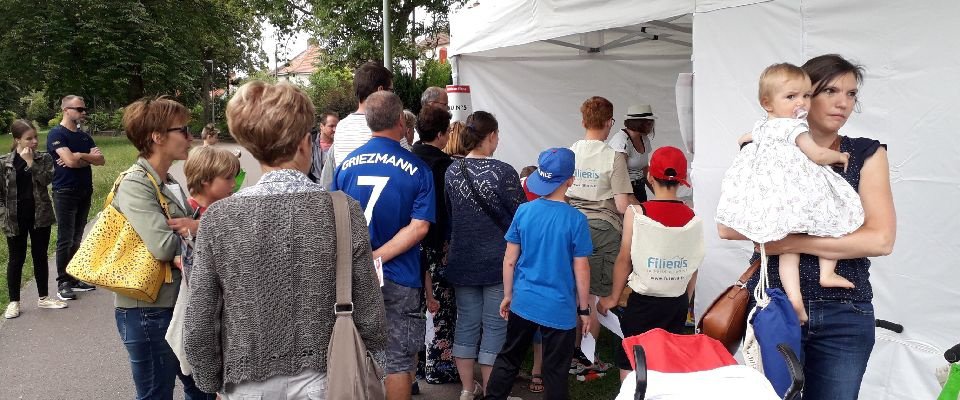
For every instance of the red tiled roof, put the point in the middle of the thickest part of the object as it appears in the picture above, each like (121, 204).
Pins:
(304, 63)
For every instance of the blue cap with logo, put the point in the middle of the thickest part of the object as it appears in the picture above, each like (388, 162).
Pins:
(555, 166)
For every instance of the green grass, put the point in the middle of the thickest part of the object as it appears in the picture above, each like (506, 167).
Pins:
(120, 154)
(604, 388)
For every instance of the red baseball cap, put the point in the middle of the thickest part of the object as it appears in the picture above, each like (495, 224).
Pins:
(670, 164)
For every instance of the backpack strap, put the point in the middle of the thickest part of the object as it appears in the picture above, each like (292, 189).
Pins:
(341, 213)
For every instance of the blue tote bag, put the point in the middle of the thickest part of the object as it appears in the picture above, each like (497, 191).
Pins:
(773, 322)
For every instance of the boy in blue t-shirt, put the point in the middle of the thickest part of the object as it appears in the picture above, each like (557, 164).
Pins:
(546, 279)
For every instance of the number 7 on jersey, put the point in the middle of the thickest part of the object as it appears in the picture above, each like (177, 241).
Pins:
(378, 183)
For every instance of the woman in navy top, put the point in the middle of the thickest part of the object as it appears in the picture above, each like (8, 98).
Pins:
(483, 195)
(838, 338)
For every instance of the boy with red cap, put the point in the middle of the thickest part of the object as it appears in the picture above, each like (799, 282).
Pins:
(546, 285)
(660, 252)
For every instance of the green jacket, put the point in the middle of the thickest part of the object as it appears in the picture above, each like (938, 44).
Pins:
(136, 199)
(42, 171)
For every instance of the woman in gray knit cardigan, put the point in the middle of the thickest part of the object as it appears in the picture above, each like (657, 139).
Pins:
(262, 286)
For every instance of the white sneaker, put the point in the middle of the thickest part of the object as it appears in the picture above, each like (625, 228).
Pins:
(13, 310)
(47, 302)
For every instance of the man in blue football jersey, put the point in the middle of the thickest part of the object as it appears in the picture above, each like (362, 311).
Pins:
(396, 191)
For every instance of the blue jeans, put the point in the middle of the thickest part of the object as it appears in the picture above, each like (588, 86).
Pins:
(71, 207)
(837, 341)
(153, 363)
(480, 331)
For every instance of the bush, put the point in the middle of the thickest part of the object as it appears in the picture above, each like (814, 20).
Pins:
(6, 118)
(106, 120)
(56, 119)
(331, 90)
(37, 106)
(432, 73)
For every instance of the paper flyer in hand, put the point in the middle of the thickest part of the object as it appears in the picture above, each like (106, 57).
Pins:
(610, 321)
(588, 345)
(378, 265)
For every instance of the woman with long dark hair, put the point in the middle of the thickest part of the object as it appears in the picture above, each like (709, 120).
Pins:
(26, 210)
(483, 195)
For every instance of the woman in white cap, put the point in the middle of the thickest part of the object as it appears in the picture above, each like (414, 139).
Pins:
(634, 141)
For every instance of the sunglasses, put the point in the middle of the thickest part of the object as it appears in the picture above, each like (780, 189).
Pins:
(185, 130)
(78, 109)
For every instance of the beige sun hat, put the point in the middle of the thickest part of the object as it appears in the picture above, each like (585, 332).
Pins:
(640, 111)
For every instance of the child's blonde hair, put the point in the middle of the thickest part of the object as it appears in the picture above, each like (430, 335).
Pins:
(775, 74)
(206, 163)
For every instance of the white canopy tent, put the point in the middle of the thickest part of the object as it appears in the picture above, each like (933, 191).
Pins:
(532, 63)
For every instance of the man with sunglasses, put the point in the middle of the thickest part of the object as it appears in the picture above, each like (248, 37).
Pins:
(73, 152)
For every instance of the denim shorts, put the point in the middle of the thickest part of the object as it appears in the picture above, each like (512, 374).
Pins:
(405, 327)
(480, 330)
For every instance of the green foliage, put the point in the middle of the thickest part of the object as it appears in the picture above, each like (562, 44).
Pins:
(56, 119)
(6, 118)
(116, 51)
(409, 89)
(331, 90)
(435, 73)
(106, 120)
(37, 106)
(259, 76)
(351, 31)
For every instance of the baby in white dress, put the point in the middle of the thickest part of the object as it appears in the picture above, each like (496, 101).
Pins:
(781, 182)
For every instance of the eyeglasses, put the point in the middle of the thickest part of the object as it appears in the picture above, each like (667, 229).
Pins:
(437, 102)
(78, 109)
(185, 130)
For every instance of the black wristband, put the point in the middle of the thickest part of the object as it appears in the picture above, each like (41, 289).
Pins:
(585, 311)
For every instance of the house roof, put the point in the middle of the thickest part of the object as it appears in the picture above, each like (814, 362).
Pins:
(304, 63)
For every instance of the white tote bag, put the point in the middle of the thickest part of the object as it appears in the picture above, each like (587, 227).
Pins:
(664, 258)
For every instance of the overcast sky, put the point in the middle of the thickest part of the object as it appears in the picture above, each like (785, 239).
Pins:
(287, 48)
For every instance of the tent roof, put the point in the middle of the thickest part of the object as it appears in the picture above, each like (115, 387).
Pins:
(496, 28)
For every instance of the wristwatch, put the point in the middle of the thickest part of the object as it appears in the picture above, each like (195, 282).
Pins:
(585, 311)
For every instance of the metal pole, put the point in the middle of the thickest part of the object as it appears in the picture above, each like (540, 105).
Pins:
(213, 96)
(386, 35)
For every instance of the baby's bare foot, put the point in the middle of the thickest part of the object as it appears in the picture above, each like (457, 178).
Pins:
(834, 280)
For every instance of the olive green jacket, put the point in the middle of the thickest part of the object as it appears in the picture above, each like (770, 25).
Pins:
(42, 171)
(136, 199)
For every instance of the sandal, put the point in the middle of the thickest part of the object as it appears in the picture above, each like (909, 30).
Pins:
(536, 384)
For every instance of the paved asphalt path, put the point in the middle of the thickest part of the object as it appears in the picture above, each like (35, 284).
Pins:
(76, 353)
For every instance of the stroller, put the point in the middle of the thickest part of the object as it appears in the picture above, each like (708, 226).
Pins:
(669, 366)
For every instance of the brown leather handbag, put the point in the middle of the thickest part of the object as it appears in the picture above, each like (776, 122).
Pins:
(726, 318)
(352, 373)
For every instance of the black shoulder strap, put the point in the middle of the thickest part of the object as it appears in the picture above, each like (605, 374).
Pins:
(476, 195)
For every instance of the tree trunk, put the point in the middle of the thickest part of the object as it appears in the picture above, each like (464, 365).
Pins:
(135, 86)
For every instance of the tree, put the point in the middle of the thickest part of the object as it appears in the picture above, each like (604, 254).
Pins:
(115, 51)
(351, 31)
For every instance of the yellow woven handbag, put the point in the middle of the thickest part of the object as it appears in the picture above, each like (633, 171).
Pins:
(114, 257)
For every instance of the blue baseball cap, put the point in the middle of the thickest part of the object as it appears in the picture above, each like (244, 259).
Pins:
(555, 166)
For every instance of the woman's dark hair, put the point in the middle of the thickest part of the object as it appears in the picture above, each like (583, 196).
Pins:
(638, 124)
(824, 69)
(479, 125)
(431, 122)
(18, 128)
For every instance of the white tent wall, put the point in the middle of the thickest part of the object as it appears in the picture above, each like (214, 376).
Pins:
(473, 30)
(909, 98)
(537, 102)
